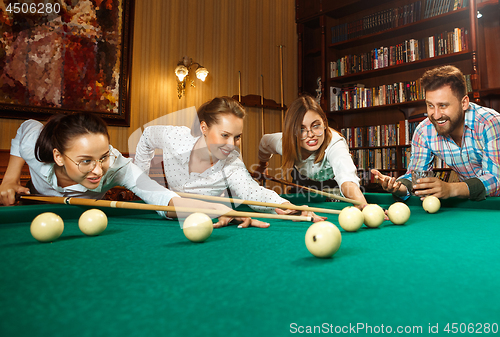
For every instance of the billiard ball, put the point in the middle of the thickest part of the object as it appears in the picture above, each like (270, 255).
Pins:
(47, 227)
(323, 239)
(398, 213)
(374, 215)
(93, 222)
(198, 227)
(351, 219)
(431, 204)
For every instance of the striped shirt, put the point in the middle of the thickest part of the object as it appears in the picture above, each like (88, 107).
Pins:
(477, 158)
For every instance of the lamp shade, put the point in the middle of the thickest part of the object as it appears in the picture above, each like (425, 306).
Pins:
(181, 71)
(201, 73)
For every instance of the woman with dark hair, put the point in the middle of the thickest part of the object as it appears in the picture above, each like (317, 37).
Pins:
(205, 160)
(314, 149)
(71, 157)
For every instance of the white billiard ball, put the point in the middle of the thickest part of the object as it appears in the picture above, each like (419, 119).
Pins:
(93, 222)
(431, 204)
(398, 213)
(323, 239)
(374, 215)
(47, 227)
(198, 227)
(351, 219)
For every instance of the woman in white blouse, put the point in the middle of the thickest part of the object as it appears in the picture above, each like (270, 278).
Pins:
(205, 160)
(71, 157)
(315, 150)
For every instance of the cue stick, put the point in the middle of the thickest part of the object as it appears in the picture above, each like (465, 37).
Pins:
(258, 203)
(239, 86)
(326, 194)
(262, 105)
(262, 113)
(133, 205)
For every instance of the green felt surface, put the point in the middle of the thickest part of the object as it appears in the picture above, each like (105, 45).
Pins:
(141, 277)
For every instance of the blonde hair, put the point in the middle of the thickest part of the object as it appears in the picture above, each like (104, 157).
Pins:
(210, 112)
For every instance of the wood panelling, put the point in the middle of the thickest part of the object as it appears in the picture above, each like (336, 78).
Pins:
(225, 36)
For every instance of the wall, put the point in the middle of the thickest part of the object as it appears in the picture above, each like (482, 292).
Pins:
(225, 36)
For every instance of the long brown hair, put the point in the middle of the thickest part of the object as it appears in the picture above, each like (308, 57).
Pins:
(291, 133)
(210, 112)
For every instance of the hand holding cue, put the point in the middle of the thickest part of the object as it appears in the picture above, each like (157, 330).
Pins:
(258, 203)
(133, 205)
(326, 194)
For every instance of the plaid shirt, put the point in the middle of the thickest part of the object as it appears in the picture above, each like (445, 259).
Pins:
(479, 156)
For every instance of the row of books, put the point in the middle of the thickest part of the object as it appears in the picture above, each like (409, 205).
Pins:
(377, 22)
(404, 52)
(357, 96)
(380, 159)
(438, 7)
(382, 135)
(371, 136)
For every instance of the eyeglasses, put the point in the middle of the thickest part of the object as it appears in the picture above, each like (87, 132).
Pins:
(317, 130)
(87, 165)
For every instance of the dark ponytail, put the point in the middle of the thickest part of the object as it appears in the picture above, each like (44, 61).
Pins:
(61, 129)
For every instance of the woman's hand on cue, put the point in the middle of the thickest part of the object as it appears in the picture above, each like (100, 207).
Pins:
(8, 192)
(243, 222)
(315, 217)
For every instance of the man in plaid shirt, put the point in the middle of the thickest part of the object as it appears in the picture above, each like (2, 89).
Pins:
(464, 135)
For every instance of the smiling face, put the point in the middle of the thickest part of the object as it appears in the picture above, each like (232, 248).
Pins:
(222, 137)
(446, 112)
(312, 124)
(84, 148)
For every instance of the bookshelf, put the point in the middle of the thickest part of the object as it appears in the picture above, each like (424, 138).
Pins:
(371, 54)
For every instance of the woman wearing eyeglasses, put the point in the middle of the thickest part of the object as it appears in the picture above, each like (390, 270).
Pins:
(315, 150)
(71, 157)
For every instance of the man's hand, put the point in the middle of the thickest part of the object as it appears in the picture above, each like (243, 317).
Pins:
(440, 189)
(388, 183)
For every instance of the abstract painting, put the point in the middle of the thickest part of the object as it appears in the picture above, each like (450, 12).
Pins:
(64, 56)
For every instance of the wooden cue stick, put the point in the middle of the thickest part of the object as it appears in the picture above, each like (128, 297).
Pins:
(133, 205)
(326, 194)
(258, 203)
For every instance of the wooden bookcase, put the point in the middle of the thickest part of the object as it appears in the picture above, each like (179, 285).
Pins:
(321, 41)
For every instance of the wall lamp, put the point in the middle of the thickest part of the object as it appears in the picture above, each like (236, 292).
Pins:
(182, 73)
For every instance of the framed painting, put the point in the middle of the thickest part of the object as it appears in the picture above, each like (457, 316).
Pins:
(65, 56)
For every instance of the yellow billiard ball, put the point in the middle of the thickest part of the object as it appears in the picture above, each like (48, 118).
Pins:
(47, 227)
(323, 239)
(197, 227)
(399, 213)
(374, 215)
(431, 204)
(93, 222)
(351, 219)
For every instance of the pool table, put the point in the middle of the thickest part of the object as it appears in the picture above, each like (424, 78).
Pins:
(142, 277)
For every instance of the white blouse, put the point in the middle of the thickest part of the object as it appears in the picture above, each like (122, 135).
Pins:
(337, 162)
(122, 172)
(177, 144)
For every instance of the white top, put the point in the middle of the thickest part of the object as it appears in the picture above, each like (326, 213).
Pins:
(121, 173)
(337, 162)
(177, 144)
